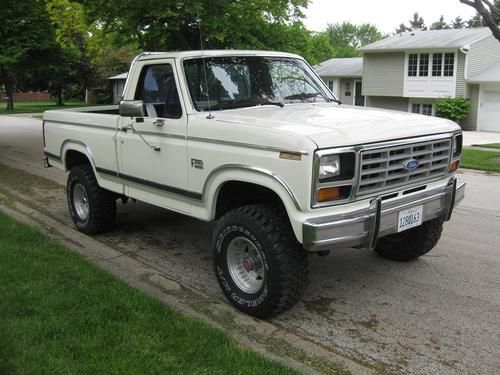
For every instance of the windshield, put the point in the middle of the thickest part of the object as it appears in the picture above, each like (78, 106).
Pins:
(241, 81)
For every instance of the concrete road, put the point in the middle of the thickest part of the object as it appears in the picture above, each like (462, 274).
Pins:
(440, 314)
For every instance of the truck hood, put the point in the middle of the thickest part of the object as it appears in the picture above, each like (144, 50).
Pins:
(332, 125)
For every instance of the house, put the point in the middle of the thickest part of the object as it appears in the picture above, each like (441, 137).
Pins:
(411, 70)
(343, 77)
(118, 83)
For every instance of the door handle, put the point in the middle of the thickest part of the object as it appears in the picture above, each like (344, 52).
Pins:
(159, 122)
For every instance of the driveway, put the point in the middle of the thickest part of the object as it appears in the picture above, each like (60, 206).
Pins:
(439, 314)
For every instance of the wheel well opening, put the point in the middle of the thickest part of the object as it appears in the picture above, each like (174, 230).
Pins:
(236, 194)
(74, 158)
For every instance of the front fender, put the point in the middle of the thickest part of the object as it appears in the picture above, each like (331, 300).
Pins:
(250, 174)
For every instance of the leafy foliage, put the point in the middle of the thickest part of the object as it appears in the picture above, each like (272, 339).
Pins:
(167, 26)
(485, 18)
(345, 38)
(26, 39)
(458, 23)
(74, 67)
(417, 23)
(455, 109)
(171, 25)
(440, 24)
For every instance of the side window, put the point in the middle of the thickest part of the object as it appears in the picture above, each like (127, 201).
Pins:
(423, 109)
(158, 91)
(412, 64)
(449, 60)
(423, 67)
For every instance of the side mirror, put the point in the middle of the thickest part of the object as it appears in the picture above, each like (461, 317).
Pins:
(132, 108)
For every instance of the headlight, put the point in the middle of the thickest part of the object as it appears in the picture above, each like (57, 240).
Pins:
(329, 166)
(457, 145)
(333, 177)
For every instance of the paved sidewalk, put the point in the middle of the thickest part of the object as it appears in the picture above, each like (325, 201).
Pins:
(480, 138)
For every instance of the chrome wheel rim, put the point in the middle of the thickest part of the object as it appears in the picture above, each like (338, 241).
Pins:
(245, 265)
(81, 202)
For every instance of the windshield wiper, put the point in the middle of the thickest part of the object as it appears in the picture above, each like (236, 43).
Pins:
(330, 100)
(245, 103)
(310, 95)
(302, 96)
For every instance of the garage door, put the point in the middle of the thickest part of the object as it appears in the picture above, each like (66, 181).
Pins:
(489, 117)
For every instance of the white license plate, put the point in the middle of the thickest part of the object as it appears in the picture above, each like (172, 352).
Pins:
(410, 218)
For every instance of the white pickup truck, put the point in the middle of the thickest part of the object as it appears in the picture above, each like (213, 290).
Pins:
(257, 141)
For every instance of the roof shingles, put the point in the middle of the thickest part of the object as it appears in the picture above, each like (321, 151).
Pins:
(341, 67)
(453, 38)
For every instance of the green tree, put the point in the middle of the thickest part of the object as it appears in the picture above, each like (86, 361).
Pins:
(417, 22)
(27, 41)
(475, 21)
(295, 38)
(402, 28)
(440, 24)
(171, 25)
(458, 23)
(166, 25)
(346, 38)
(73, 68)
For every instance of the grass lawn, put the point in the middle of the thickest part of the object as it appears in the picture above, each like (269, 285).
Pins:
(61, 314)
(35, 107)
(482, 160)
(490, 145)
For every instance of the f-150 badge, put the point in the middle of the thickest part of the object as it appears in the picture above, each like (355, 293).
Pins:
(197, 163)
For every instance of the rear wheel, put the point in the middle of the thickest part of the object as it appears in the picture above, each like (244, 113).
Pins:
(412, 243)
(260, 266)
(92, 208)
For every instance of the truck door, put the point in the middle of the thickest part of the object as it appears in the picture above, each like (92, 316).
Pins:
(152, 149)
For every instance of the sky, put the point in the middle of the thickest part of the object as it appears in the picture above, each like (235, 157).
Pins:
(385, 14)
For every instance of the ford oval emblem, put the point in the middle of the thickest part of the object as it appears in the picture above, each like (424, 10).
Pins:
(411, 164)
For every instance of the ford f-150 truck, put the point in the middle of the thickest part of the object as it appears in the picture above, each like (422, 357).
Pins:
(256, 141)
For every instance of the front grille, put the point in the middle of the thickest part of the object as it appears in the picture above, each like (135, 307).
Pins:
(382, 168)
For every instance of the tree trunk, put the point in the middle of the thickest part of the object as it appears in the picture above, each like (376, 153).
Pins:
(60, 98)
(487, 16)
(9, 89)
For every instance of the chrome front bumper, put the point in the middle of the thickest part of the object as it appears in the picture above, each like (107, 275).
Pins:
(361, 228)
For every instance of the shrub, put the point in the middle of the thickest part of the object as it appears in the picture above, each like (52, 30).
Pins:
(104, 98)
(455, 109)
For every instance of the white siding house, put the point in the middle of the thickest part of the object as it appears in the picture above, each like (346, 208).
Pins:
(118, 84)
(410, 71)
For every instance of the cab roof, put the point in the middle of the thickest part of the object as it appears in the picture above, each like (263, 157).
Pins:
(212, 53)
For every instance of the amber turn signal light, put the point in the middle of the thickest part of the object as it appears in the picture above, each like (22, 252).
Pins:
(454, 166)
(329, 194)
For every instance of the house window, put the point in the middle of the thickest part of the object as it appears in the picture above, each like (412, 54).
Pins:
(426, 109)
(412, 65)
(437, 64)
(449, 61)
(442, 64)
(423, 109)
(330, 85)
(423, 70)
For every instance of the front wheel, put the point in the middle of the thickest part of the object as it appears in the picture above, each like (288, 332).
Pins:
(412, 243)
(259, 265)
